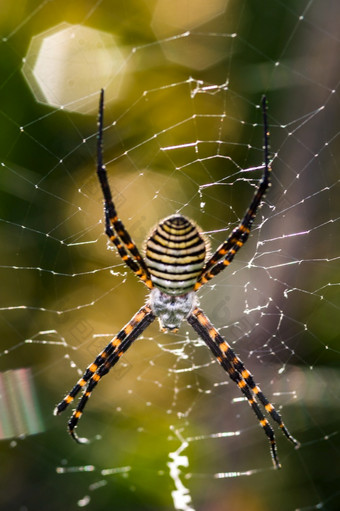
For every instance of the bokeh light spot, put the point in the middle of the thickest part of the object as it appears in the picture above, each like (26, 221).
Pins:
(67, 65)
(173, 17)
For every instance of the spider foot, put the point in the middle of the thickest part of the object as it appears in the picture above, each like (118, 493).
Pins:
(76, 438)
(60, 407)
(71, 425)
(276, 463)
(79, 440)
(297, 444)
(289, 436)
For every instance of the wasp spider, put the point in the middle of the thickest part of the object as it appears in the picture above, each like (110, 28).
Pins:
(174, 268)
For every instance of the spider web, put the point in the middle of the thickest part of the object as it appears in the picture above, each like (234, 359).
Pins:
(167, 428)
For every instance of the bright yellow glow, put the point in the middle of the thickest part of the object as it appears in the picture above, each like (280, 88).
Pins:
(174, 17)
(67, 66)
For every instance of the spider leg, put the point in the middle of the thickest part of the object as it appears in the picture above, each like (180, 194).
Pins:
(221, 265)
(239, 236)
(103, 363)
(112, 346)
(114, 227)
(241, 376)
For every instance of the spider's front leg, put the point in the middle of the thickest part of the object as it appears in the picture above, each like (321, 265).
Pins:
(114, 227)
(228, 249)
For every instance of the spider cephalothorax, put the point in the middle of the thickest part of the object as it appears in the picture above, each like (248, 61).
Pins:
(174, 268)
(171, 310)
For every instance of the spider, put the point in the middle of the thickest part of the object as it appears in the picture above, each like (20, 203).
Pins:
(174, 268)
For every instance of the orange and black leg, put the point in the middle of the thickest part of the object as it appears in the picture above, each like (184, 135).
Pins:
(103, 363)
(241, 376)
(114, 227)
(227, 250)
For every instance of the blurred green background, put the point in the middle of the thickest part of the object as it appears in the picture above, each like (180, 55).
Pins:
(188, 74)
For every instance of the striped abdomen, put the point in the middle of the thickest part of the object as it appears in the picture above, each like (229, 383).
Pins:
(175, 254)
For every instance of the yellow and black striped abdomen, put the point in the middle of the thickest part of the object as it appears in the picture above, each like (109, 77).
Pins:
(175, 255)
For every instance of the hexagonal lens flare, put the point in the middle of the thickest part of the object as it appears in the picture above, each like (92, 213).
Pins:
(67, 65)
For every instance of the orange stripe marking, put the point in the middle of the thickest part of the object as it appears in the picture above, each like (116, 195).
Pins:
(202, 319)
(213, 333)
(139, 316)
(224, 347)
(128, 329)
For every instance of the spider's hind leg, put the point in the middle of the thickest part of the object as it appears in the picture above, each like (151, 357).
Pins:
(241, 376)
(103, 363)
